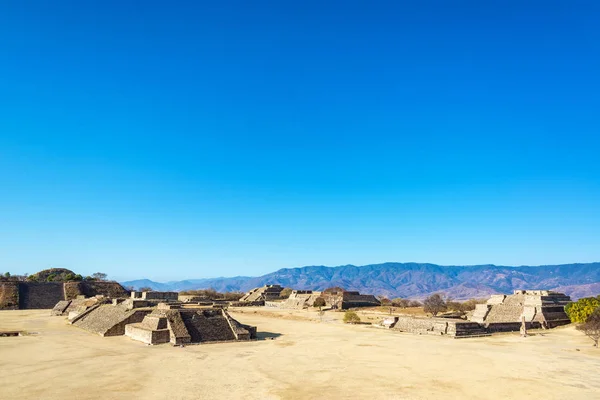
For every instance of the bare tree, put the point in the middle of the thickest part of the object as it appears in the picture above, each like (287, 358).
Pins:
(100, 276)
(434, 304)
(591, 327)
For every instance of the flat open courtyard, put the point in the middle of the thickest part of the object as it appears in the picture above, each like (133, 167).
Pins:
(298, 357)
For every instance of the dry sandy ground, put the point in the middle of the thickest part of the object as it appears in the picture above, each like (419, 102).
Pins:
(306, 359)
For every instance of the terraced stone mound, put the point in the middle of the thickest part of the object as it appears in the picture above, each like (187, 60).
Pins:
(264, 293)
(109, 319)
(539, 309)
(183, 326)
(436, 326)
(300, 299)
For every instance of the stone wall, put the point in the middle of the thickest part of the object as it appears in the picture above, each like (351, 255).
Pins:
(45, 295)
(169, 296)
(108, 289)
(34, 295)
(9, 295)
(258, 303)
(438, 326)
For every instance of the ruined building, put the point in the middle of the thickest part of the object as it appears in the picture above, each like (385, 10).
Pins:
(153, 323)
(299, 299)
(264, 293)
(344, 299)
(44, 295)
(540, 308)
(179, 326)
(110, 319)
(455, 328)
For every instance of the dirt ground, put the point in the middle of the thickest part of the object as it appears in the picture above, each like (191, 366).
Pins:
(299, 356)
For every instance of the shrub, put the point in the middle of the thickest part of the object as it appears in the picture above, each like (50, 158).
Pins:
(385, 301)
(402, 303)
(350, 317)
(580, 310)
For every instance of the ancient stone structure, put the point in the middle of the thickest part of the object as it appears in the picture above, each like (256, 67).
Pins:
(171, 324)
(540, 309)
(45, 295)
(298, 300)
(9, 295)
(435, 326)
(264, 293)
(193, 298)
(109, 319)
(158, 296)
(72, 308)
(344, 299)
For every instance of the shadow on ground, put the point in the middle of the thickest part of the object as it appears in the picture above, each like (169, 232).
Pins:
(267, 335)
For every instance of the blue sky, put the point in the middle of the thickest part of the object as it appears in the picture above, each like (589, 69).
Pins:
(203, 139)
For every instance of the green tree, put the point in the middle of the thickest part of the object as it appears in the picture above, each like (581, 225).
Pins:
(7, 275)
(319, 302)
(434, 304)
(580, 310)
(350, 317)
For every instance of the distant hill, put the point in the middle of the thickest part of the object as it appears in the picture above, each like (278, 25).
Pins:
(411, 280)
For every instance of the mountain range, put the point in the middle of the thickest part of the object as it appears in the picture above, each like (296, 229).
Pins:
(409, 280)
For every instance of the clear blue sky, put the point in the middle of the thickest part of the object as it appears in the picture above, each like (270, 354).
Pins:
(194, 139)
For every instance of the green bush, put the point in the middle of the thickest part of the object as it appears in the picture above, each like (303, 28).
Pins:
(350, 317)
(580, 310)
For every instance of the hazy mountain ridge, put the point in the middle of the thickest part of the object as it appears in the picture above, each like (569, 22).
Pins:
(410, 280)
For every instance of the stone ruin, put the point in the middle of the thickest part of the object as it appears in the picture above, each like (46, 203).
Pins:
(298, 300)
(539, 308)
(155, 296)
(72, 308)
(110, 319)
(262, 294)
(455, 328)
(524, 309)
(45, 295)
(153, 318)
(179, 326)
(345, 299)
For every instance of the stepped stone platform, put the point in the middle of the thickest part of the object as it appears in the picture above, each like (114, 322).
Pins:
(298, 300)
(109, 319)
(345, 299)
(188, 326)
(539, 309)
(264, 293)
(455, 328)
